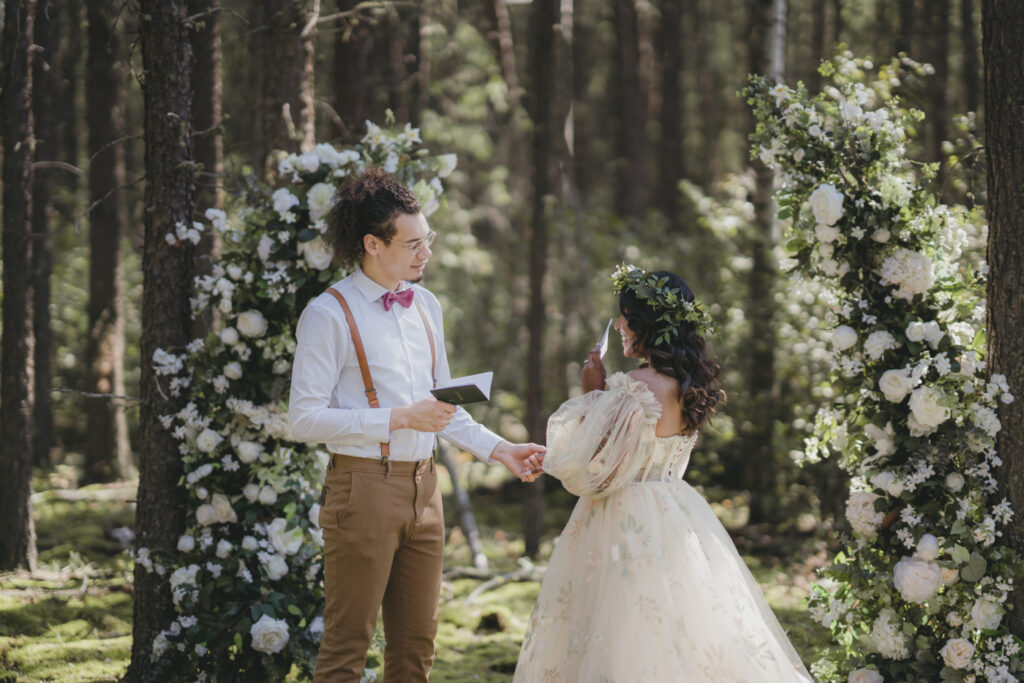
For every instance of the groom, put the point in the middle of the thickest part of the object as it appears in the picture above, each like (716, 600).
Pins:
(367, 352)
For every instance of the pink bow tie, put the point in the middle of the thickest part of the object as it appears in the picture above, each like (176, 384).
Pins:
(404, 297)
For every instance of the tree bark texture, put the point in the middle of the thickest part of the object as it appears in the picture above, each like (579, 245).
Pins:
(288, 78)
(167, 275)
(107, 456)
(17, 530)
(631, 108)
(45, 109)
(1003, 49)
(544, 21)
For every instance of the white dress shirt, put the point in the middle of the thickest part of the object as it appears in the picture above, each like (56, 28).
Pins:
(328, 401)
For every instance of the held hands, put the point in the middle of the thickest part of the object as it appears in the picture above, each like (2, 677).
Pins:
(593, 374)
(524, 460)
(426, 415)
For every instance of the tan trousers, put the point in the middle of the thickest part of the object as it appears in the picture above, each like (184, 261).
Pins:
(383, 547)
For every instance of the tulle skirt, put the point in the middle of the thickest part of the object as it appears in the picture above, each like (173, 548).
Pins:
(646, 585)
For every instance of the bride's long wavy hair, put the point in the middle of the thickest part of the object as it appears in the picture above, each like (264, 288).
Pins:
(684, 356)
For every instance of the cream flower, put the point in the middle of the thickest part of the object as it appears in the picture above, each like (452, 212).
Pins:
(269, 635)
(895, 384)
(924, 404)
(320, 199)
(928, 547)
(917, 579)
(955, 481)
(865, 676)
(860, 511)
(316, 253)
(957, 653)
(208, 440)
(222, 507)
(252, 324)
(986, 613)
(882, 439)
(285, 541)
(826, 203)
(843, 337)
(248, 451)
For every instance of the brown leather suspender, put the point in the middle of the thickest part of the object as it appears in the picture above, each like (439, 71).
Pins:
(364, 367)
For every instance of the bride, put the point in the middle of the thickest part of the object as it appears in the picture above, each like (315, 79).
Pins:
(645, 583)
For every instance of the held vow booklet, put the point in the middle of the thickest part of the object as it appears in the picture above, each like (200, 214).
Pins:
(468, 389)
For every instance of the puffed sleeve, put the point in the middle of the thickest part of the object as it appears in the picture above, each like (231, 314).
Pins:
(602, 440)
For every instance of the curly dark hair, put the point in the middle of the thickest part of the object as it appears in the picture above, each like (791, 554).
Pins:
(684, 356)
(366, 205)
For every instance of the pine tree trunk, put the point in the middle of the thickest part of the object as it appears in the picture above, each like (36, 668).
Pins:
(817, 44)
(167, 274)
(398, 88)
(670, 150)
(106, 454)
(767, 41)
(45, 108)
(545, 18)
(1003, 48)
(17, 529)
(969, 39)
(938, 89)
(288, 79)
(711, 113)
(207, 89)
(353, 75)
(70, 67)
(631, 110)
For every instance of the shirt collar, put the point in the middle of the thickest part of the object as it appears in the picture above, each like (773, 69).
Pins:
(370, 289)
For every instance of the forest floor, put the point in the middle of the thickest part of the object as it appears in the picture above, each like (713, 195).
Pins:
(71, 619)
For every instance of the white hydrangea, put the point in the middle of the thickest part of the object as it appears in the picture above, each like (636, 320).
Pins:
(888, 637)
(860, 511)
(284, 200)
(910, 271)
(878, 343)
(844, 337)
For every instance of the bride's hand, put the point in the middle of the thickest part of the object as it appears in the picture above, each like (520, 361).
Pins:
(593, 373)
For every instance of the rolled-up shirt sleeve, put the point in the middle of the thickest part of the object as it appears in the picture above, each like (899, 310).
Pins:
(323, 343)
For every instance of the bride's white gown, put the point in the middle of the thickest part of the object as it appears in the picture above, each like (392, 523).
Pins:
(644, 583)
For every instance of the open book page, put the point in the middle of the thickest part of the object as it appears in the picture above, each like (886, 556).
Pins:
(468, 389)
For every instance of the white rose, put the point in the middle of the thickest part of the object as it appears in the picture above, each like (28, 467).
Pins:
(264, 247)
(860, 511)
(186, 543)
(223, 509)
(865, 676)
(986, 613)
(251, 492)
(957, 653)
(316, 627)
(916, 579)
(955, 481)
(224, 548)
(284, 200)
(954, 619)
(826, 204)
(275, 566)
(320, 198)
(316, 253)
(928, 547)
(843, 337)
(881, 235)
(248, 451)
(235, 271)
(268, 496)
(895, 384)
(285, 541)
(308, 162)
(915, 331)
(882, 438)
(933, 334)
(916, 428)
(206, 515)
(949, 576)
(961, 334)
(924, 404)
(269, 635)
(250, 543)
(208, 440)
(233, 370)
(888, 482)
(878, 343)
(314, 514)
(229, 336)
(252, 324)
(826, 234)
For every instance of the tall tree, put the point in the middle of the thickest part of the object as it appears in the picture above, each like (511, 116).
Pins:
(167, 273)
(938, 91)
(287, 95)
(107, 455)
(1003, 50)
(206, 122)
(45, 108)
(767, 47)
(969, 39)
(630, 94)
(670, 152)
(17, 529)
(353, 71)
(542, 77)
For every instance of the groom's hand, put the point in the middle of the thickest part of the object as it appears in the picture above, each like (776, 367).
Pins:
(522, 459)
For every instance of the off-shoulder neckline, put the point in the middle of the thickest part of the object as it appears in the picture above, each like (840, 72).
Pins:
(644, 386)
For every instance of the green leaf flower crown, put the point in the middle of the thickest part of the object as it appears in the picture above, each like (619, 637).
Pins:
(668, 302)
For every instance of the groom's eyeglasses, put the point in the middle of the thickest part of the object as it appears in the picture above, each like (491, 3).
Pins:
(417, 246)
